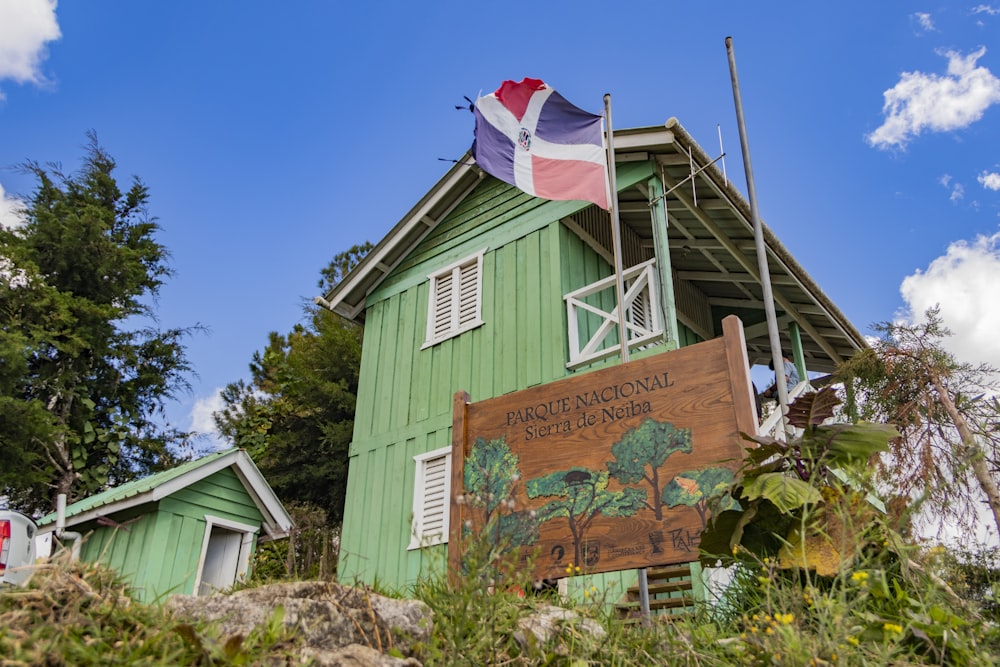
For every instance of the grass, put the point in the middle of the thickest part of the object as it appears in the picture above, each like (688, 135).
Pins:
(887, 608)
(78, 615)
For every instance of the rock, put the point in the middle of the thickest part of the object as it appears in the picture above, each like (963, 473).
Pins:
(323, 618)
(355, 655)
(549, 622)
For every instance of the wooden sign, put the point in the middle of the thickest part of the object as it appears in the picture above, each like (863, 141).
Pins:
(608, 470)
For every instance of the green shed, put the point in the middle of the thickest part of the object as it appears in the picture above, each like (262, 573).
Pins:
(189, 530)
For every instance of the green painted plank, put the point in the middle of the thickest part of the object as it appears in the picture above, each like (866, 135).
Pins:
(231, 504)
(386, 386)
(374, 489)
(353, 526)
(485, 373)
(389, 524)
(507, 318)
(406, 348)
(202, 505)
(368, 381)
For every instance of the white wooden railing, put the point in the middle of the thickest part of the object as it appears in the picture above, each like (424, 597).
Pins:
(772, 424)
(642, 315)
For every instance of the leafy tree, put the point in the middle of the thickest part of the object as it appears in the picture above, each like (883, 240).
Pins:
(647, 446)
(84, 370)
(698, 488)
(947, 412)
(296, 415)
(581, 495)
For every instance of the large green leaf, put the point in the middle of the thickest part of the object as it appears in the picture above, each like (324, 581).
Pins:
(844, 442)
(787, 493)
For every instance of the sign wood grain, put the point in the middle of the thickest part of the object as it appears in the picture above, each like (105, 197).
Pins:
(607, 470)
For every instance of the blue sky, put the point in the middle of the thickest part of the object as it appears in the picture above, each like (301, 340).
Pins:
(274, 135)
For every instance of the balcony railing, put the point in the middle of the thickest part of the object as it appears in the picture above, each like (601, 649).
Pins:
(772, 425)
(599, 327)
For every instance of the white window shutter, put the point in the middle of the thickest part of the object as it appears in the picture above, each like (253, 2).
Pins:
(454, 303)
(442, 305)
(431, 498)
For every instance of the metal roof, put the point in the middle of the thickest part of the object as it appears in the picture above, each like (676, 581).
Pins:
(712, 248)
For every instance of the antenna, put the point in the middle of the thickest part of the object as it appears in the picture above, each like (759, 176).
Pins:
(722, 150)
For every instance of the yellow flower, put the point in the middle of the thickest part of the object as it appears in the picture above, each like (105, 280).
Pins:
(892, 627)
(785, 619)
(859, 577)
(569, 569)
(853, 641)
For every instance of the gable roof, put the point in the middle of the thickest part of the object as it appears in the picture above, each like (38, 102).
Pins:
(712, 248)
(155, 487)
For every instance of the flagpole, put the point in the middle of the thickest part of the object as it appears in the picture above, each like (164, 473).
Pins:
(758, 235)
(616, 232)
(620, 287)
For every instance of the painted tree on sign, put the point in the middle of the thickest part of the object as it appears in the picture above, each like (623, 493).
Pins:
(641, 452)
(581, 495)
(491, 473)
(698, 489)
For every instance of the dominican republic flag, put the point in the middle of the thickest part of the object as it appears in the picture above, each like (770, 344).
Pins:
(528, 135)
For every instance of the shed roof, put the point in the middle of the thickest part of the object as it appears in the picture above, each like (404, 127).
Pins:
(155, 487)
(712, 247)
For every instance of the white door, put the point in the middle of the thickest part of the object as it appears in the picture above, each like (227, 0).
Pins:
(225, 555)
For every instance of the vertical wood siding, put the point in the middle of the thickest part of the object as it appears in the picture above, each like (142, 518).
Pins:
(159, 553)
(405, 393)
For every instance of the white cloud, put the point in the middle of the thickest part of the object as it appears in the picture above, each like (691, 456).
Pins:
(9, 206)
(989, 180)
(924, 20)
(202, 421)
(26, 26)
(957, 189)
(962, 284)
(986, 9)
(936, 103)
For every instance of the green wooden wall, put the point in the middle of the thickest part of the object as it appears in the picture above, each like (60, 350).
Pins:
(158, 554)
(405, 393)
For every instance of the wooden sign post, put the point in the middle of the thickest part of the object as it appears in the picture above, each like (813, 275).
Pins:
(607, 470)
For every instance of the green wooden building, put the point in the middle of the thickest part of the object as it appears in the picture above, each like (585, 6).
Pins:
(485, 289)
(192, 529)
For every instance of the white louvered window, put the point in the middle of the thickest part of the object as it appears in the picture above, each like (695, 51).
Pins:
(431, 506)
(455, 299)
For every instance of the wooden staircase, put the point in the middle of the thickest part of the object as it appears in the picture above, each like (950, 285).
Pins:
(670, 592)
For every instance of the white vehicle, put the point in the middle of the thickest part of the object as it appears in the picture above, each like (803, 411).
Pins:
(17, 547)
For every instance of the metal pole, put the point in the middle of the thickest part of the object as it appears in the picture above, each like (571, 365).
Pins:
(620, 287)
(758, 236)
(616, 233)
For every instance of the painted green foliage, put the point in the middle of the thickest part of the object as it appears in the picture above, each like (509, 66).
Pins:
(580, 496)
(491, 472)
(700, 489)
(641, 452)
